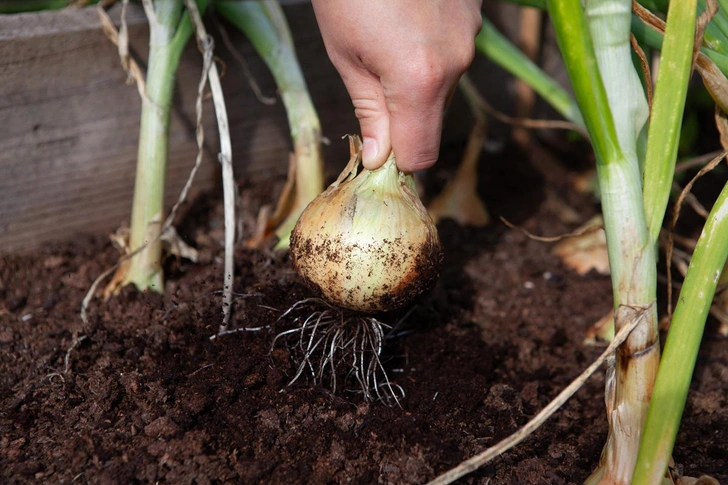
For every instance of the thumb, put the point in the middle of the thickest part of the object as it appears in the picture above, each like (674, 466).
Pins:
(370, 108)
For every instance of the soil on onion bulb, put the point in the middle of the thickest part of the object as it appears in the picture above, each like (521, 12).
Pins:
(147, 397)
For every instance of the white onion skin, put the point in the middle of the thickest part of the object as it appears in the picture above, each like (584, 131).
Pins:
(368, 244)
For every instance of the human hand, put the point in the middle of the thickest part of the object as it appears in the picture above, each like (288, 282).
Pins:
(400, 61)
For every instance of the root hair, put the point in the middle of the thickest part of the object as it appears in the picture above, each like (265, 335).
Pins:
(332, 344)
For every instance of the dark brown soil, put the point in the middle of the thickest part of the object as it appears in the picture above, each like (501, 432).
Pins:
(147, 397)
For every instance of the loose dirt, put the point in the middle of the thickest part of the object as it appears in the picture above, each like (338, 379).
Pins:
(147, 397)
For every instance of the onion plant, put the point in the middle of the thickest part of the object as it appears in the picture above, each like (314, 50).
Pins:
(704, 272)
(682, 344)
(170, 29)
(496, 47)
(264, 23)
(582, 41)
(614, 107)
(595, 43)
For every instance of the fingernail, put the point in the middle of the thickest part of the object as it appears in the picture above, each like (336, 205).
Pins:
(369, 150)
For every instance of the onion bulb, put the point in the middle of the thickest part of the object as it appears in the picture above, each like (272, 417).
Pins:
(367, 243)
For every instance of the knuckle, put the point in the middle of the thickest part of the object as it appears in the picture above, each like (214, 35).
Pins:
(434, 70)
(427, 76)
(466, 54)
(367, 109)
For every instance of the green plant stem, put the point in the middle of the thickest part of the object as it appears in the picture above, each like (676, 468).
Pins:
(145, 269)
(681, 347)
(654, 5)
(632, 261)
(633, 268)
(264, 23)
(716, 32)
(631, 257)
(723, 8)
(713, 69)
(667, 111)
(714, 37)
(717, 43)
(581, 65)
(500, 50)
(720, 60)
(609, 25)
(653, 39)
(662, 145)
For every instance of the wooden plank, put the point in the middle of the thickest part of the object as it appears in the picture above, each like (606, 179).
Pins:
(70, 123)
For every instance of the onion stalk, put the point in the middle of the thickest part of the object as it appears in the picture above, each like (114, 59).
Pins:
(681, 348)
(719, 310)
(170, 29)
(264, 23)
(496, 47)
(655, 430)
(595, 44)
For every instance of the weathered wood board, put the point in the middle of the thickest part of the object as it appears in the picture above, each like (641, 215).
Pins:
(69, 122)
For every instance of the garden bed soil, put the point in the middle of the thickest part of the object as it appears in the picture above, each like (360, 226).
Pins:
(147, 397)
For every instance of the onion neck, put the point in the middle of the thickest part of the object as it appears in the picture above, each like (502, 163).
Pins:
(387, 178)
